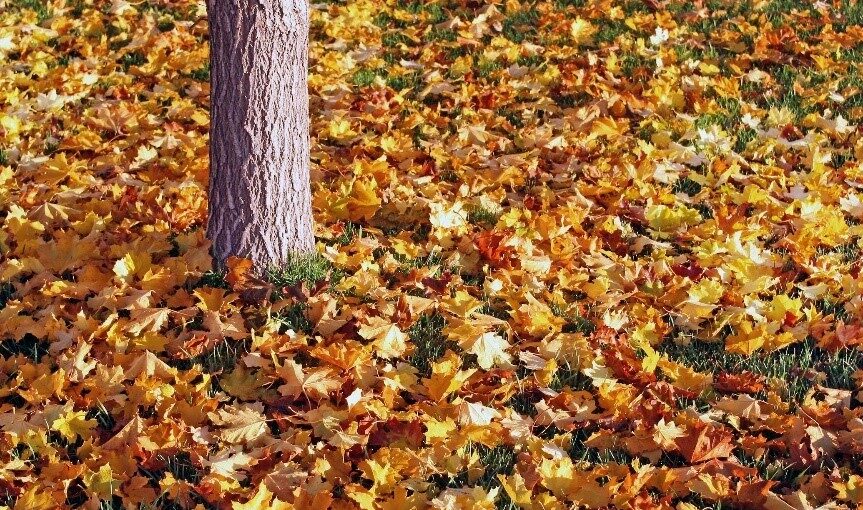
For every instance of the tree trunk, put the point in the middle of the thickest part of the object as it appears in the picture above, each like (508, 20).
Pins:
(260, 201)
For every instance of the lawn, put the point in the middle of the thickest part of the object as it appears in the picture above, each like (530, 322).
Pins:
(571, 254)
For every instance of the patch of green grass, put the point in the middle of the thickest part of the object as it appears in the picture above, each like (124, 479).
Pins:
(574, 323)
(7, 291)
(785, 77)
(429, 341)
(440, 34)
(609, 31)
(102, 416)
(364, 77)
(482, 216)
(520, 25)
(486, 67)
(393, 39)
(794, 365)
(571, 100)
(436, 13)
(631, 66)
(836, 309)
(350, 232)
(40, 7)
(569, 376)
(309, 269)
(215, 279)
(294, 318)
(405, 81)
(530, 60)
(133, 58)
(686, 185)
(777, 10)
(850, 13)
(523, 403)
(841, 367)
(384, 20)
(512, 116)
(579, 452)
(181, 466)
(744, 137)
(432, 259)
(563, 4)
(201, 74)
(849, 251)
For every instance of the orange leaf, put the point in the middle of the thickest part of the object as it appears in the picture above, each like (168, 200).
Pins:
(705, 442)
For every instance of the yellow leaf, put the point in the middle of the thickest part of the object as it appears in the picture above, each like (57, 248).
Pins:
(746, 339)
(102, 482)
(363, 200)
(73, 424)
(489, 348)
(668, 219)
(389, 341)
(36, 498)
(262, 500)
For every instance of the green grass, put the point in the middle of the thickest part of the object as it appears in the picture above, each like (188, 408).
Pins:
(796, 365)
(429, 341)
(485, 68)
(364, 77)
(440, 34)
(134, 58)
(569, 376)
(294, 318)
(574, 323)
(498, 460)
(482, 216)
(405, 81)
(201, 74)
(309, 269)
(610, 31)
(393, 39)
(520, 25)
(40, 7)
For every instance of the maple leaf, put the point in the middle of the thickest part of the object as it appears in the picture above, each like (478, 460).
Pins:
(147, 320)
(262, 500)
(489, 348)
(102, 482)
(244, 424)
(474, 413)
(239, 271)
(704, 442)
(127, 436)
(73, 424)
(317, 383)
(744, 382)
(389, 341)
(743, 406)
(36, 498)
(149, 365)
(227, 463)
(666, 434)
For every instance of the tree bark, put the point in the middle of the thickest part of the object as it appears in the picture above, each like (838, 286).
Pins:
(260, 200)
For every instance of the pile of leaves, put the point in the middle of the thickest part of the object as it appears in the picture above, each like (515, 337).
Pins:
(573, 253)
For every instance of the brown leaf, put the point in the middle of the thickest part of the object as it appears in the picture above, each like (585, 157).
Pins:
(705, 442)
(743, 382)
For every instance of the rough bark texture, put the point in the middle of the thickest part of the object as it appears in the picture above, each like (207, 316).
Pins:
(260, 202)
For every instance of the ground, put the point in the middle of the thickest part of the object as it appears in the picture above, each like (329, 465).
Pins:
(572, 253)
